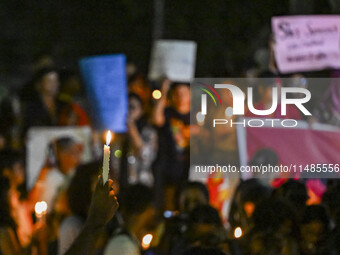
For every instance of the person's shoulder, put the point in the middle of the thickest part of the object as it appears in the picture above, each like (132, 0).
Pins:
(122, 244)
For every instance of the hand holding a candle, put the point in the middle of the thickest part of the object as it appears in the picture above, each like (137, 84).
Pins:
(103, 206)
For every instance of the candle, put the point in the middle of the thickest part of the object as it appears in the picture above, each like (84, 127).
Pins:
(106, 158)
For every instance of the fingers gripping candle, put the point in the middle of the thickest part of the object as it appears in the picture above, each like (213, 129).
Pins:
(106, 158)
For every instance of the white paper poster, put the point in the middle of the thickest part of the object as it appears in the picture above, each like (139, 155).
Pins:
(174, 60)
(38, 140)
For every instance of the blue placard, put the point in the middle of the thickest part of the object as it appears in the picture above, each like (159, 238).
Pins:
(105, 80)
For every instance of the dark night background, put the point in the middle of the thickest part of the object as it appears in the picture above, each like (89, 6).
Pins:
(227, 32)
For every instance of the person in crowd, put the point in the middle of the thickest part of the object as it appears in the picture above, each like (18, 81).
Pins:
(173, 122)
(11, 166)
(103, 207)
(72, 113)
(295, 192)
(9, 241)
(192, 195)
(142, 144)
(55, 177)
(314, 230)
(43, 108)
(275, 229)
(247, 196)
(264, 93)
(138, 213)
(78, 195)
(205, 229)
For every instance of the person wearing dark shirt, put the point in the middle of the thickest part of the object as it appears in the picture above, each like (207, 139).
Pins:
(173, 122)
(43, 108)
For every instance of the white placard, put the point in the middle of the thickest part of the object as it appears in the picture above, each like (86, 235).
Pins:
(173, 59)
(306, 43)
(38, 139)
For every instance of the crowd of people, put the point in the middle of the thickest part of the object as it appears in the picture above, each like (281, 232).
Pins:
(160, 210)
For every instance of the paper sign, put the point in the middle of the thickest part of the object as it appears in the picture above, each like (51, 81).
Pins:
(173, 59)
(38, 140)
(105, 79)
(306, 43)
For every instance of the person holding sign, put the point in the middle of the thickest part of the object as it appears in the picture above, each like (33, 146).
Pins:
(173, 124)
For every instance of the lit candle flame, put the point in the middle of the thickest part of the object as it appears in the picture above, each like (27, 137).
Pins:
(147, 239)
(238, 232)
(108, 138)
(40, 208)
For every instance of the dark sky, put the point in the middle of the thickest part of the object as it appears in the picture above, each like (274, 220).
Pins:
(227, 32)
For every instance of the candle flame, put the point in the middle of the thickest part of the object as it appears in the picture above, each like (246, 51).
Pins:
(40, 208)
(147, 241)
(238, 232)
(108, 138)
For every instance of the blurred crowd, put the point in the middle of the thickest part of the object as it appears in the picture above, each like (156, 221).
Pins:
(160, 210)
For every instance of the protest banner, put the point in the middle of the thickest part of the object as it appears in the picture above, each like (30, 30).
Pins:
(306, 43)
(39, 139)
(105, 80)
(173, 59)
(302, 145)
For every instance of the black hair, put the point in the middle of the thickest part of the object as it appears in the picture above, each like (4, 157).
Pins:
(136, 199)
(272, 213)
(175, 85)
(205, 214)
(39, 75)
(65, 75)
(250, 190)
(79, 192)
(199, 186)
(64, 143)
(294, 191)
(315, 213)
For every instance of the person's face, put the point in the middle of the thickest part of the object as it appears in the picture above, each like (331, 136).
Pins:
(49, 84)
(181, 96)
(69, 158)
(190, 198)
(135, 109)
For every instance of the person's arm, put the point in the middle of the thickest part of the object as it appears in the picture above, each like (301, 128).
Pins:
(35, 193)
(103, 207)
(158, 118)
(135, 137)
(9, 244)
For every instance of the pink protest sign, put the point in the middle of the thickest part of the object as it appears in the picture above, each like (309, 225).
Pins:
(306, 43)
